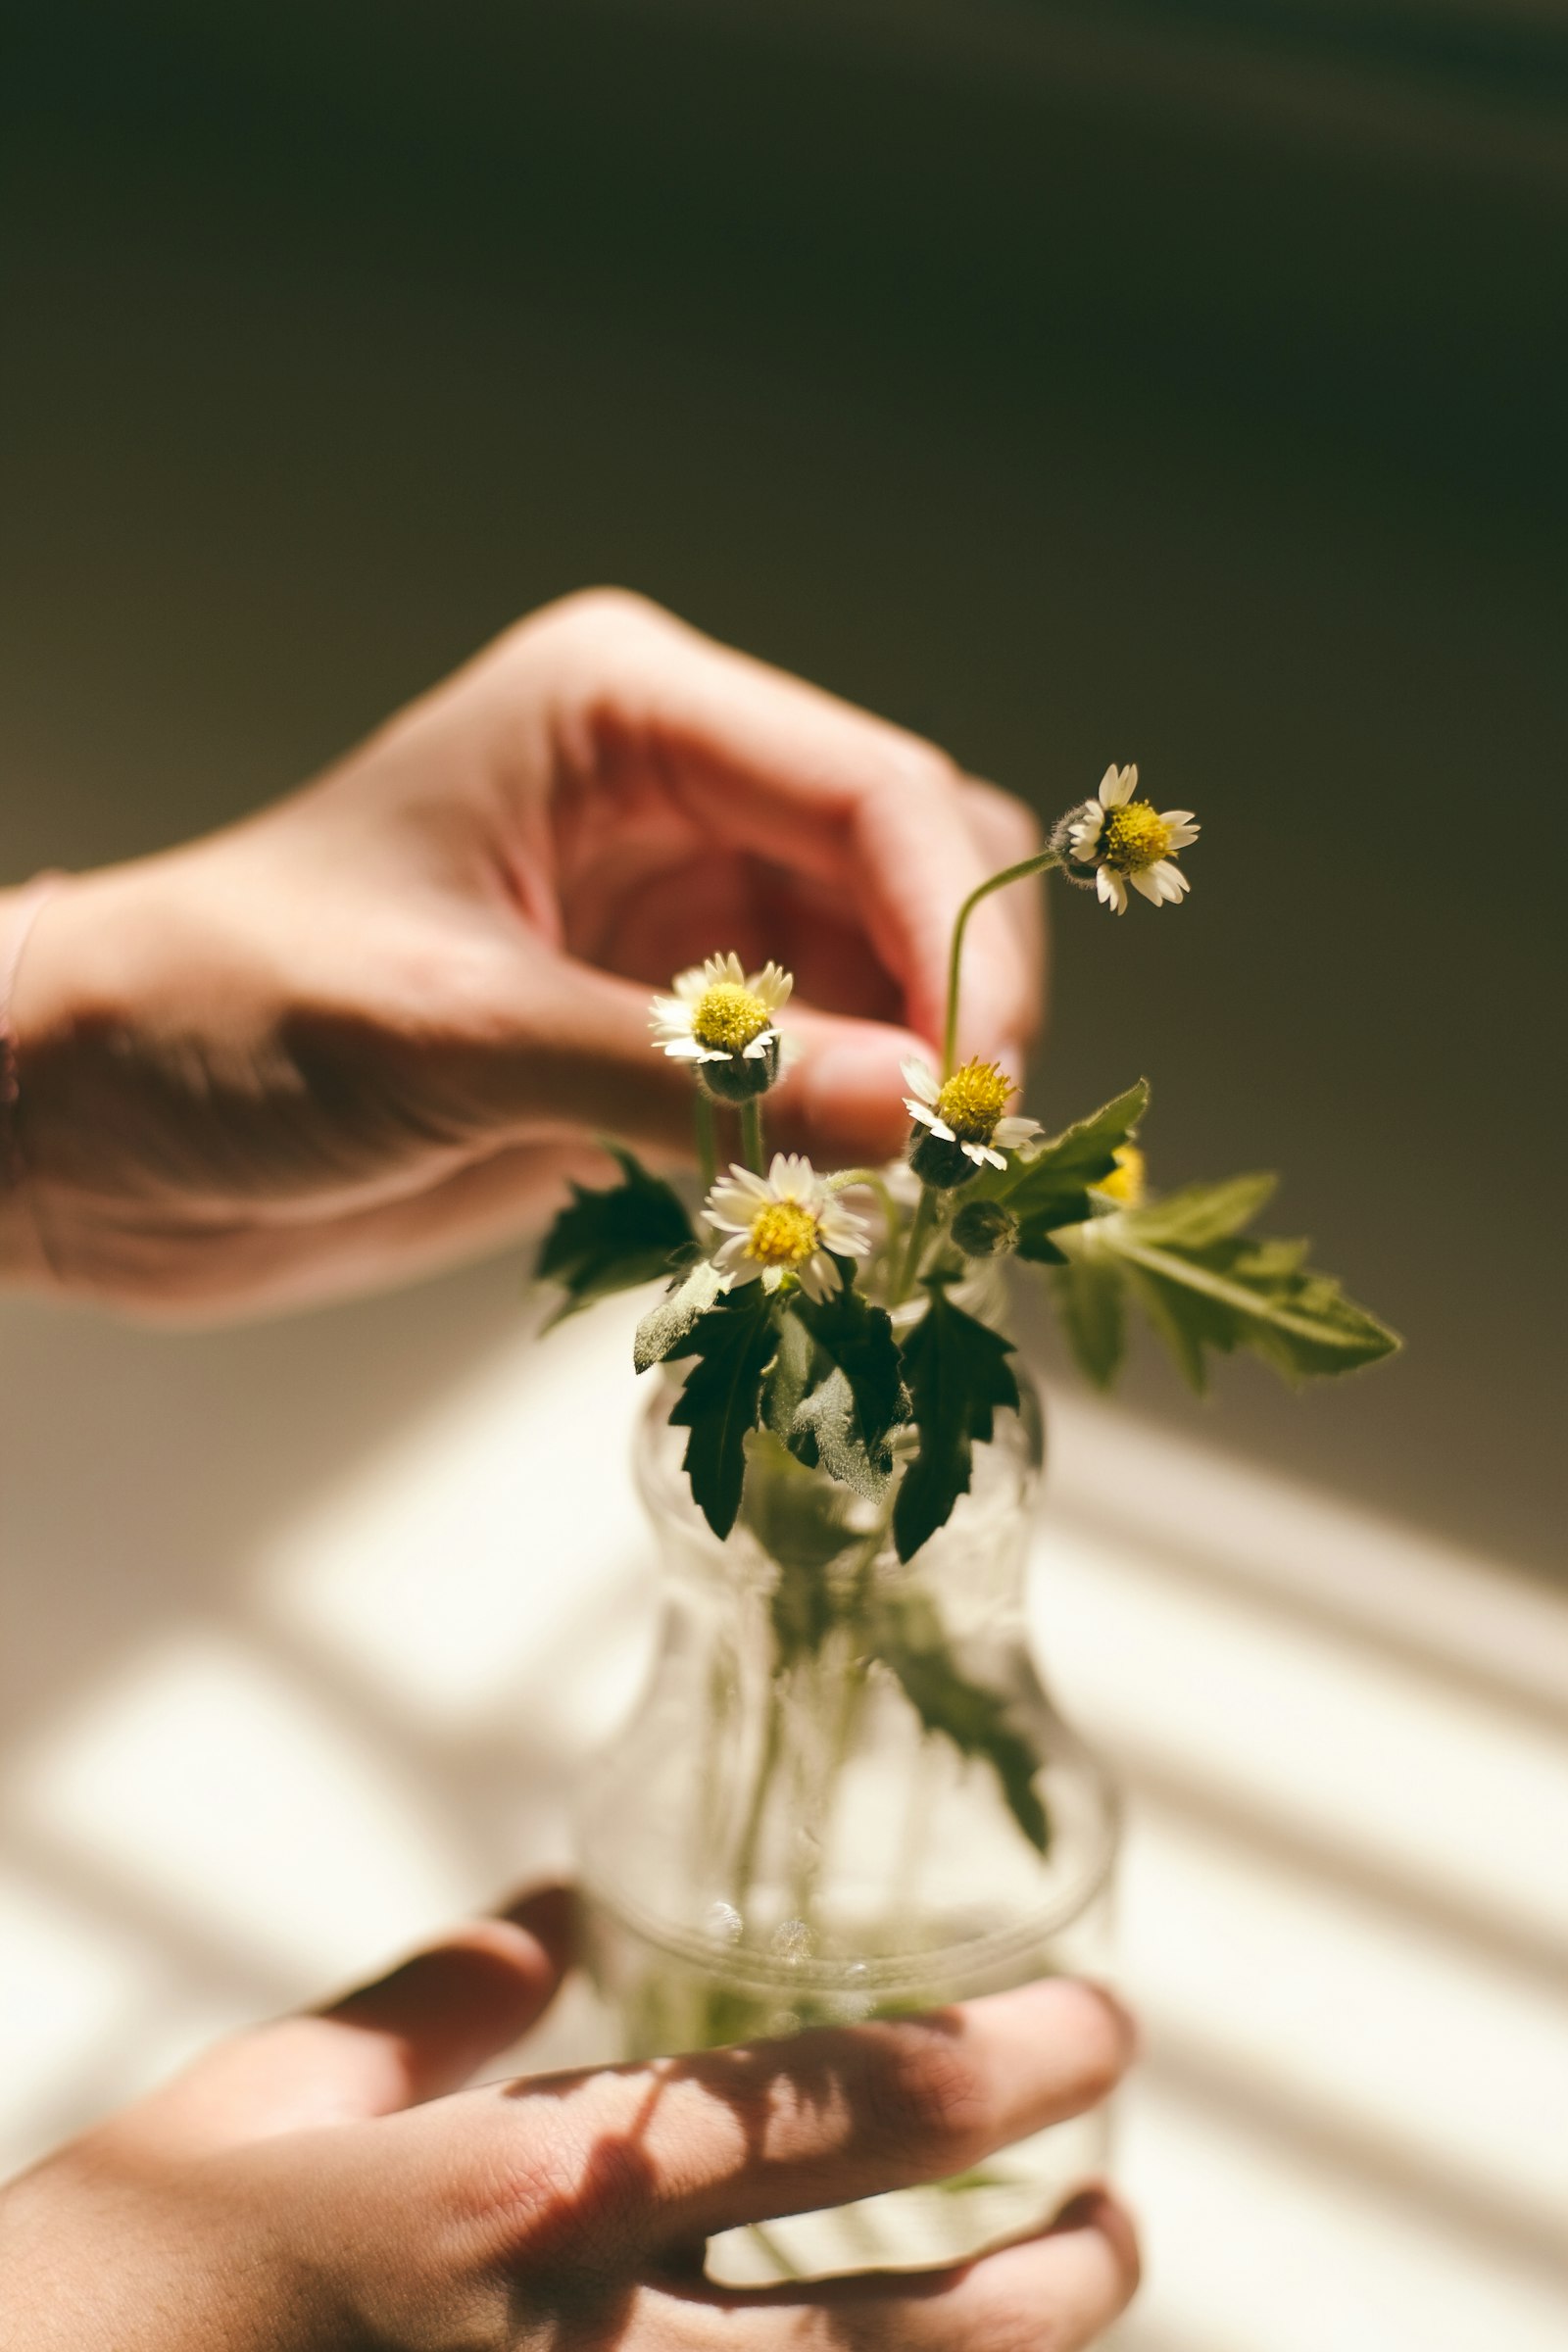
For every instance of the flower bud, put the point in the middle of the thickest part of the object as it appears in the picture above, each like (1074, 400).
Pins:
(1064, 836)
(940, 1162)
(985, 1229)
(738, 1077)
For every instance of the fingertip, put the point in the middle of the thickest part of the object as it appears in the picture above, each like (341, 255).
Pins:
(1096, 2207)
(844, 1100)
(551, 1916)
(442, 2013)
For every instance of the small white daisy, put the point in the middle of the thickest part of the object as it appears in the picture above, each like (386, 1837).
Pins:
(1130, 841)
(721, 1019)
(786, 1222)
(966, 1109)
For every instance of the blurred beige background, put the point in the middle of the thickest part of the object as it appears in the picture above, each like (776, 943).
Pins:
(1172, 384)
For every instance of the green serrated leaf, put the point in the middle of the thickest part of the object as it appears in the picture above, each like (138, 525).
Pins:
(1236, 1293)
(858, 1339)
(1035, 1241)
(910, 1639)
(1181, 1325)
(1088, 1289)
(790, 1377)
(1049, 1187)
(827, 1435)
(666, 1326)
(957, 1375)
(734, 1344)
(612, 1239)
(801, 1521)
(1201, 1213)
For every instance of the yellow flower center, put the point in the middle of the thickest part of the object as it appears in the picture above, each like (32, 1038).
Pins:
(727, 1016)
(1125, 1183)
(973, 1100)
(783, 1234)
(1134, 836)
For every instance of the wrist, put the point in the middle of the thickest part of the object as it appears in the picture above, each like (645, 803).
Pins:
(74, 1017)
(23, 1256)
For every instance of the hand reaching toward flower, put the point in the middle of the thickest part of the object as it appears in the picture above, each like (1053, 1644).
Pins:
(370, 1029)
(324, 2184)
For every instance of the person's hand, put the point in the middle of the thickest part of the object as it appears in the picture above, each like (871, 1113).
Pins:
(318, 2185)
(370, 1029)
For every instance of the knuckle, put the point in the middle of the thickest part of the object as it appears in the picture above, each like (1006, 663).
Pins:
(569, 2208)
(923, 768)
(597, 613)
(925, 2101)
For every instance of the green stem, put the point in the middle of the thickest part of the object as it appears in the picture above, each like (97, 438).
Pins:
(1012, 873)
(851, 1694)
(919, 1227)
(707, 1149)
(847, 1178)
(751, 1134)
(768, 1765)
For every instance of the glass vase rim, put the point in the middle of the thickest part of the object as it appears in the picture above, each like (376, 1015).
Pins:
(974, 1959)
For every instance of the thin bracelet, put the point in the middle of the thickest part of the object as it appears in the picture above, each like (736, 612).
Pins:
(15, 928)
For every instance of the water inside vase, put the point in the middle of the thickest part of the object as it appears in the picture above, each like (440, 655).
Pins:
(665, 1995)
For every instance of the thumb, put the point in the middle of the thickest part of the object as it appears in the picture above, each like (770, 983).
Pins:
(578, 1057)
(413, 2034)
(841, 1098)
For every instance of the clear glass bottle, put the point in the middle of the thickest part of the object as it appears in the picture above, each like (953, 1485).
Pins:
(789, 1831)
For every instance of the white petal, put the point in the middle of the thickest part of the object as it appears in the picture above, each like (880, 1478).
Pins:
(819, 1277)
(1010, 1133)
(772, 986)
(1112, 889)
(791, 1177)
(842, 1229)
(920, 1110)
(729, 1210)
(757, 1051)
(921, 1080)
(1116, 788)
(1148, 886)
(941, 1129)
(682, 1049)
(747, 1269)
(690, 985)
